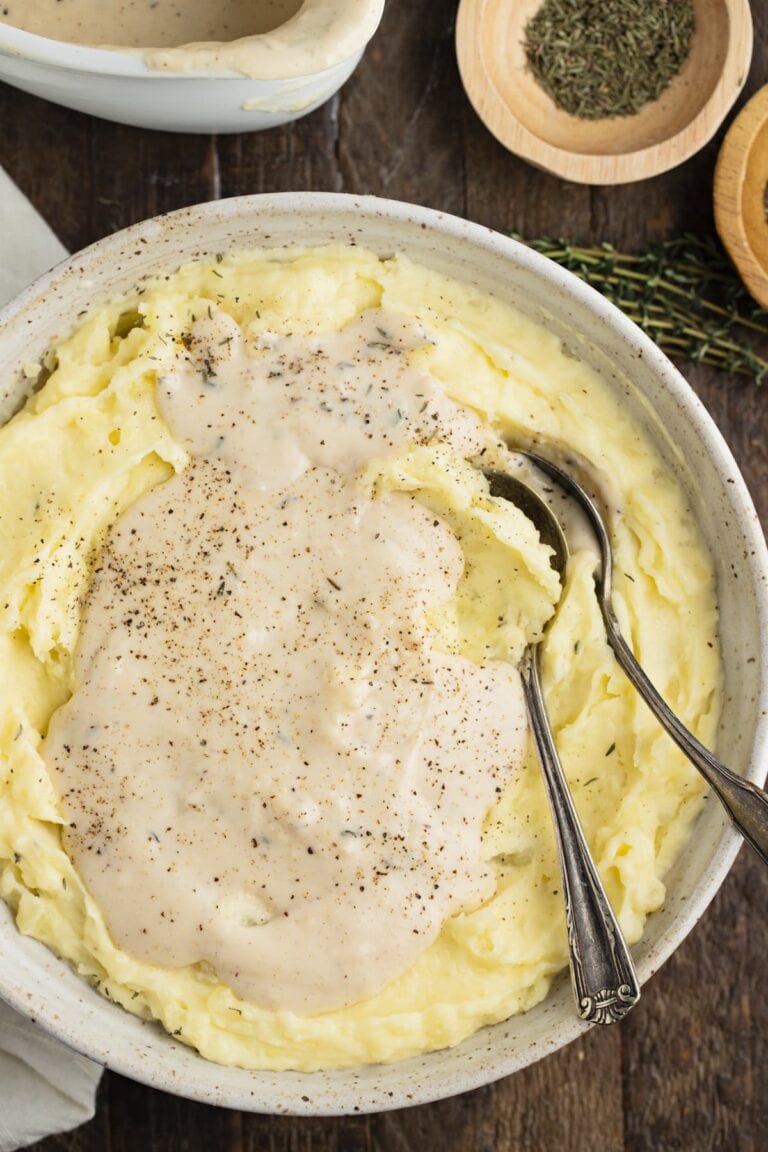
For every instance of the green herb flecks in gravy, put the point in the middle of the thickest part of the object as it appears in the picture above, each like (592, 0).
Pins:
(267, 766)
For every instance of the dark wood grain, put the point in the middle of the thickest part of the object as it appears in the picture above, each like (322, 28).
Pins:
(400, 117)
(688, 1070)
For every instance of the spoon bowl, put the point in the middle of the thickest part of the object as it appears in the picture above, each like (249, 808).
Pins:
(745, 802)
(507, 487)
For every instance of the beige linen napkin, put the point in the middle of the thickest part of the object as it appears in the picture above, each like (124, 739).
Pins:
(28, 247)
(45, 1087)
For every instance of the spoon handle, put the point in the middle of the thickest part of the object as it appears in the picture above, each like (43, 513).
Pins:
(602, 973)
(745, 803)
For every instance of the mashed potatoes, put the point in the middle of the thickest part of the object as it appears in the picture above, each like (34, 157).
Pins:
(98, 441)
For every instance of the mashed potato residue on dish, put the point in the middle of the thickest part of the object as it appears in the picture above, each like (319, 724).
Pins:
(262, 39)
(96, 439)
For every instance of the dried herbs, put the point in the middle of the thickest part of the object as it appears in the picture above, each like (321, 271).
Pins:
(599, 58)
(684, 293)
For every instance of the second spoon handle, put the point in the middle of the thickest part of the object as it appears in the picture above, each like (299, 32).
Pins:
(745, 803)
(604, 981)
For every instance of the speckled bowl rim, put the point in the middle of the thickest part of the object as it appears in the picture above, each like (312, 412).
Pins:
(144, 1052)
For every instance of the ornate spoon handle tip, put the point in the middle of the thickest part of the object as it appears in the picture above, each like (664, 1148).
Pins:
(605, 985)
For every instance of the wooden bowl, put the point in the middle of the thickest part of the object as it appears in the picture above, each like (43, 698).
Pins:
(616, 150)
(741, 178)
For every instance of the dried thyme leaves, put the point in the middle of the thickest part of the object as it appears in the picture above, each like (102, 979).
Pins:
(600, 58)
(683, 293)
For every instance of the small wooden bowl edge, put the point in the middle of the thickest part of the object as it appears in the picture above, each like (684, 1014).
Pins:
(602, 169)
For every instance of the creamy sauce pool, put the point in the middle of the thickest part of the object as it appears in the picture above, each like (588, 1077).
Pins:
(267, 767)
(147, 23)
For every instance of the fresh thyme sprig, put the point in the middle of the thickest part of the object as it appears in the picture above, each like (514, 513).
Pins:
(684, 293)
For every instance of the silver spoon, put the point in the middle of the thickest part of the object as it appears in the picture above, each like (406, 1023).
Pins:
(745, 803)
(602, 973)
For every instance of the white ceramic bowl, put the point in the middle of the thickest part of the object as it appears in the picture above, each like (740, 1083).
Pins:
(119, 85)
(35, 982)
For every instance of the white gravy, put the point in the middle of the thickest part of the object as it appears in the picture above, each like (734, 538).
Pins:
(144, 24)
(266, 767)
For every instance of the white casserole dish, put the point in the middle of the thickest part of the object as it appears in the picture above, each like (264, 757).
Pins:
(300, 67)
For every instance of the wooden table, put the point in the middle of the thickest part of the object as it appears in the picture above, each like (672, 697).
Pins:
(688, 1070)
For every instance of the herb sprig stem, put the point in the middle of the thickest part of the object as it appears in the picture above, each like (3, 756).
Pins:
(682, 292)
